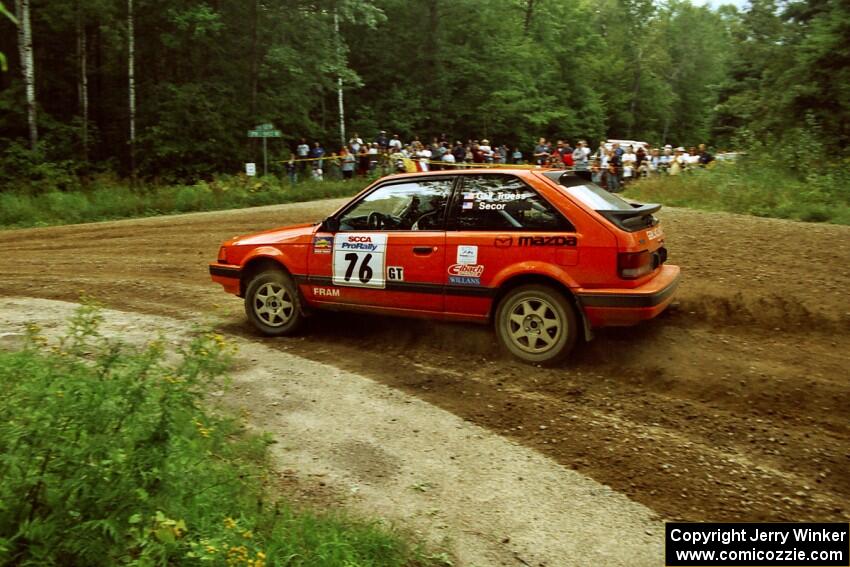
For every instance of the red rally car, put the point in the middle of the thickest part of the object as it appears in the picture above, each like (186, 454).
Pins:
(545, 255)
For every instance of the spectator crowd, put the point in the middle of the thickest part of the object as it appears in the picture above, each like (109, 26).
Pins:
(610, 164)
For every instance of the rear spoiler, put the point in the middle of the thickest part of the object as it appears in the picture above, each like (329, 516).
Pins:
(632, 220)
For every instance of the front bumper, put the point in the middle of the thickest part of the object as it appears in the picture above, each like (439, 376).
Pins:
(228, 276)
(620, 307)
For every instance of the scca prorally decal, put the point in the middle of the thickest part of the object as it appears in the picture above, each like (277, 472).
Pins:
(503, 241)
(655, 233)
(325, 292)
(467, 270)
(547, 240)
(323, 244)
(359, 242)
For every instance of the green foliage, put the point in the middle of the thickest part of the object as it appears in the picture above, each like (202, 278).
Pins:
(510, 71)
(29, 171)
(109, 457)
(4, 12)
(789, 66)
(762, 183)
(107, 198)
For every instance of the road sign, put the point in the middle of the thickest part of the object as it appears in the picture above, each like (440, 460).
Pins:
(264, 133)
(250, 169)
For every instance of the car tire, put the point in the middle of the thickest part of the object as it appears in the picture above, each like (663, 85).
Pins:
(537, 324)
(273, 304)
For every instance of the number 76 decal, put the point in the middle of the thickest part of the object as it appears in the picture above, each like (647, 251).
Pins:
(365, 273)
(359, 260)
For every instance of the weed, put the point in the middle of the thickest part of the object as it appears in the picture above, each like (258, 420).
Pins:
(108, 198)
(109, 457)
(756, 186)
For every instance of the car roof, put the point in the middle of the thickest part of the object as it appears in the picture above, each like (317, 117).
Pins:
(476, 170)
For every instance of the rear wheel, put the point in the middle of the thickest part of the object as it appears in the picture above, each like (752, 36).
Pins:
(537, 324)
(273, 305)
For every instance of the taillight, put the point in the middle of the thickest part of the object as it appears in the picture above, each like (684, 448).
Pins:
(222, 255)
(632, 265)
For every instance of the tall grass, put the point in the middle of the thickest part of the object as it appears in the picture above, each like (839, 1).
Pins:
(758, 187)
(108, 456)
(109, 198)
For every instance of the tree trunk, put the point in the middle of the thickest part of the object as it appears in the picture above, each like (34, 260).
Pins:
(254, 56)
(343, 141)
(667, 115)
(431, 66)
(83, 84)
(27, 66)
(131, 79)
(633, 106)
(529, 13)
(431, 55)
(98, 112)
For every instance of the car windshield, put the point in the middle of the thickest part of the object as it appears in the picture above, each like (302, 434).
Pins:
(412, 205)
(589, 193)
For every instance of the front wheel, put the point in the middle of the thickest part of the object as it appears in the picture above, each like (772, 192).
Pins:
(537, 324)
(273, 305)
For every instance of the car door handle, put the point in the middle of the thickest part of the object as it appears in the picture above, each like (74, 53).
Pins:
(423, 250)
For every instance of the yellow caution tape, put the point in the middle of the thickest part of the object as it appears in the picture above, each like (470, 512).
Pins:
(410, 163)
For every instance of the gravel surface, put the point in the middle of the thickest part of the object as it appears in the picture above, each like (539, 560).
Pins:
(731, 406)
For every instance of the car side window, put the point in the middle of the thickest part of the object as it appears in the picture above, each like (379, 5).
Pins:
(409, 205)
(504, 202)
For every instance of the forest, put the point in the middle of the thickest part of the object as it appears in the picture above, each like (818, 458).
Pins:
(167, 90)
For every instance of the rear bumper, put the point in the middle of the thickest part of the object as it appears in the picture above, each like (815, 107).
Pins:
(619, 307)
(227, 276)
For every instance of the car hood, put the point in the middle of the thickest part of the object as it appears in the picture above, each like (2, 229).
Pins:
(284, 235)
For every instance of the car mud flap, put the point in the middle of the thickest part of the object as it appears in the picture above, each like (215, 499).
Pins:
(305, 309)
(588, 332)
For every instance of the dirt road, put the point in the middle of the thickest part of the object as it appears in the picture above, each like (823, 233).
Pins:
(732, 406)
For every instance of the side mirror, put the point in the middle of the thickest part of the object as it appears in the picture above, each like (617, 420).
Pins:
(330, 224)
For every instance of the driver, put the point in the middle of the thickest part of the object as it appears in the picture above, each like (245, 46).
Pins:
(426, 221)
(411, 213)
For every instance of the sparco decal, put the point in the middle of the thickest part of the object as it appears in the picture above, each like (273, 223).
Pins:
(468, 270)
(547, 240)
(322, 244)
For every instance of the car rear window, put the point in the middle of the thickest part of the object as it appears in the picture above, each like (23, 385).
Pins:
(628, 216)
(589, 193)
